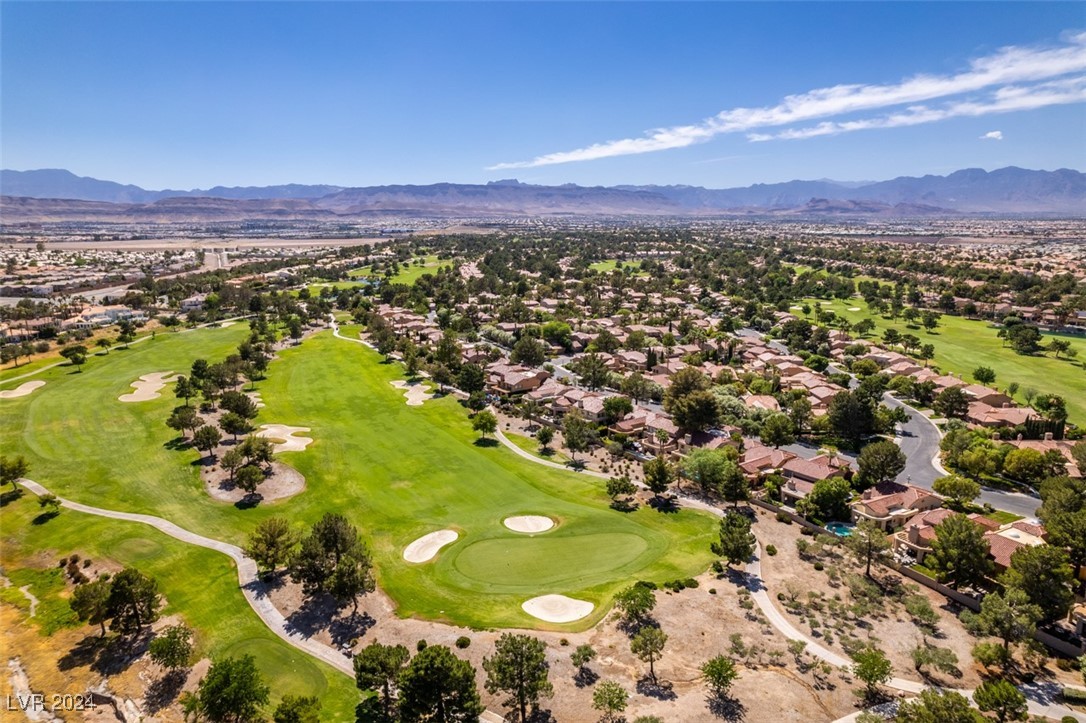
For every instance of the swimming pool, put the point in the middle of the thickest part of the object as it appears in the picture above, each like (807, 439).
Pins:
(841, 529)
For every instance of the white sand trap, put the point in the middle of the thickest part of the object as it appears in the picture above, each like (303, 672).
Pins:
(255, 396)
(853, 308)
(557, 608)
(427, 546)
(226, 324)
(795, 307)
(22, 390)
(529, 524)
(284, 437)
(147, 387)
(415, 393)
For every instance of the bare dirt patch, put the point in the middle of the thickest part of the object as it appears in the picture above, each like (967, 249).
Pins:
(282, 482)
(426, 547)
(829, 605)
(147, 387)
(22, 390)
(699, 625)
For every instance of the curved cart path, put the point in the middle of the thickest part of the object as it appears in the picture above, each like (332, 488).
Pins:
(251, 585)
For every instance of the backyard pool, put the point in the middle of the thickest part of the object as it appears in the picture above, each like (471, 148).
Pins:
(841, 529)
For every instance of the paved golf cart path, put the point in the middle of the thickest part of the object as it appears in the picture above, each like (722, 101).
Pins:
(251, 586)
(1041, 696)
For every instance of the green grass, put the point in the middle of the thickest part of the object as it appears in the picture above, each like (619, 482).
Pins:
(409, 272)
(606, 267)
(531, 446)
(25, 367)
(962, 345)
(1002, 517)
(397, 472)
(52, 611)
(198, 584)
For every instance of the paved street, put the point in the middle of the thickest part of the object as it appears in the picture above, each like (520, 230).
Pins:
(919, 439)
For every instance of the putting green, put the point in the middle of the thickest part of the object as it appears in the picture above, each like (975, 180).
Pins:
(556, 562)
(396, 472)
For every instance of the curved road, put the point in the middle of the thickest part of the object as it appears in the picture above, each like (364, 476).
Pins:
(1040, 695)
(919, 439)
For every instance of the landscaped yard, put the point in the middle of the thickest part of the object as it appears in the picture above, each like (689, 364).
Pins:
(962, 345)
(397, 471)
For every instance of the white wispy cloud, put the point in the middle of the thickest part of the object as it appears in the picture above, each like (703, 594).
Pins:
(1012, 78)
(992, 136)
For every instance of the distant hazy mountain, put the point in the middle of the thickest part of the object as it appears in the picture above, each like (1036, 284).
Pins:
(58, 183)
(33, 195)
(1007, 190)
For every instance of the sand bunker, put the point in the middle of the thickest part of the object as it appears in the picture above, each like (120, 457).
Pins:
(147, 387)
(22, 390)
(427, 546)
(287, 442)
(795, 307)
(557, 608)
(529, 524)
(415, 392)
(255, 396)
(853, 308)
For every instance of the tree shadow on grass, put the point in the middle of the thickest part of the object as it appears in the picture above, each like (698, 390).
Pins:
(664, 504)
(44, 517)
(727, 708)
(485, 442)
(9, 496)
(249, 501)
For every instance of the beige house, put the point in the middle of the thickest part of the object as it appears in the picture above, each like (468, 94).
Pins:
(892, 505)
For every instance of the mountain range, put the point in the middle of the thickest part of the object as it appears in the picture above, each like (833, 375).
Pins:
(55, 194)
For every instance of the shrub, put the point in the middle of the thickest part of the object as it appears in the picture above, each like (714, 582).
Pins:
(782, 517)
(712, 591)
(718, 567)
(420, 645)
(771, 550)
(87, 563)
(564, 642)
(463, 641)
(1074, 695)
(819, 566)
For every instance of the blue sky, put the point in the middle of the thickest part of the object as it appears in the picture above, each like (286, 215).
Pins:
(183, 95)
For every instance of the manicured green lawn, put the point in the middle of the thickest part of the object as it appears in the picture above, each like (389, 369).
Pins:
(409, 272)
(398, 472)
(401, 472)
(962, 345)
(198, 584)
(606, 267)
(25, 367)
(531, 446)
